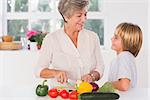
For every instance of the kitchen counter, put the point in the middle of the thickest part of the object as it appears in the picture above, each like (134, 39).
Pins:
(18, 81)
(26, 93)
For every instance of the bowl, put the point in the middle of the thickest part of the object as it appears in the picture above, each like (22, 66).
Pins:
(7, 38)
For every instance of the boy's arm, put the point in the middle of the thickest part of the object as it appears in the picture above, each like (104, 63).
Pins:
(122, 84)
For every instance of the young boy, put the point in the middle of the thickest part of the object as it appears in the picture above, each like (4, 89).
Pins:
(127, 42)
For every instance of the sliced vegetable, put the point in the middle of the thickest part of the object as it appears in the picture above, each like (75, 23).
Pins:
(42, 90)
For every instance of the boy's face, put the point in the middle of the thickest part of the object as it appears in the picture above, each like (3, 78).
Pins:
(117, 43)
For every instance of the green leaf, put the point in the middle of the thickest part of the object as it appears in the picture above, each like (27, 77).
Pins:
(107, 87)
(38, 38)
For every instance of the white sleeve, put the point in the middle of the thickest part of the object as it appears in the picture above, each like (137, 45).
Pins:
(45, 55)
(124, 70)
(99, 59)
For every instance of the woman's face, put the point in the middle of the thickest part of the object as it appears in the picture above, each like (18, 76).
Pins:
(77, 20)
(116, 43)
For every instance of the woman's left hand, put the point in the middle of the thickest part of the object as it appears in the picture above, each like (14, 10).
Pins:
(87, 78)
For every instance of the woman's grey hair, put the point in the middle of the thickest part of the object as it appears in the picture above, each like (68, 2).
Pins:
(68, 7)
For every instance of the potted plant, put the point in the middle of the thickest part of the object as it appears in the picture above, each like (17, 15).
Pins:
(36, 36)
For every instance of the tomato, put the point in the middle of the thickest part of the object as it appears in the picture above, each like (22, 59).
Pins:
(53, 93)
(73, 95)
(64, 94)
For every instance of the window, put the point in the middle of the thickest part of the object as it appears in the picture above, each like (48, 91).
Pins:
(1, 7)
(42, 15)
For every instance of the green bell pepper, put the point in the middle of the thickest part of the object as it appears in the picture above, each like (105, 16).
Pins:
(42, 90)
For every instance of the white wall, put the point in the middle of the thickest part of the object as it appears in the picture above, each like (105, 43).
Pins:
(149, 41)
(135, 11)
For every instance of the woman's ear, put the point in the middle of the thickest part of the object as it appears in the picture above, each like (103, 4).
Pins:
(66, 19)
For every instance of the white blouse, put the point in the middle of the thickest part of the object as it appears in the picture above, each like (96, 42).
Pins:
(59, 52)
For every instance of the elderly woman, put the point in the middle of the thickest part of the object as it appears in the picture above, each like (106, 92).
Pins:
(71, 52)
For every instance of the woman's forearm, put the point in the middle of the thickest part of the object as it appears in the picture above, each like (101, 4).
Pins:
(48, 73)
(60, 75)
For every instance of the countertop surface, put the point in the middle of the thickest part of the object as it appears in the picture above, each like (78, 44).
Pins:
(26, 93)
(17, 80)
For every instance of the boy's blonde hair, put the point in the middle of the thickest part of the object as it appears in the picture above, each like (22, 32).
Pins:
(131, 36)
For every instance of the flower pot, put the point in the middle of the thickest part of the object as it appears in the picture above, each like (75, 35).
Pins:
(38, 46)
(33, 46)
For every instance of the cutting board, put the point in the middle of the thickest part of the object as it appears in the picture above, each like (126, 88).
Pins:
(10, 46)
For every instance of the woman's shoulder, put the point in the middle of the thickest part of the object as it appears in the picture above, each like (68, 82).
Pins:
(90, 33)
(50, 37)
(53, 34)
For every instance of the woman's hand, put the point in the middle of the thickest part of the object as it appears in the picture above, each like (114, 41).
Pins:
(87, 78)
(61, 76)
(92, 76)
